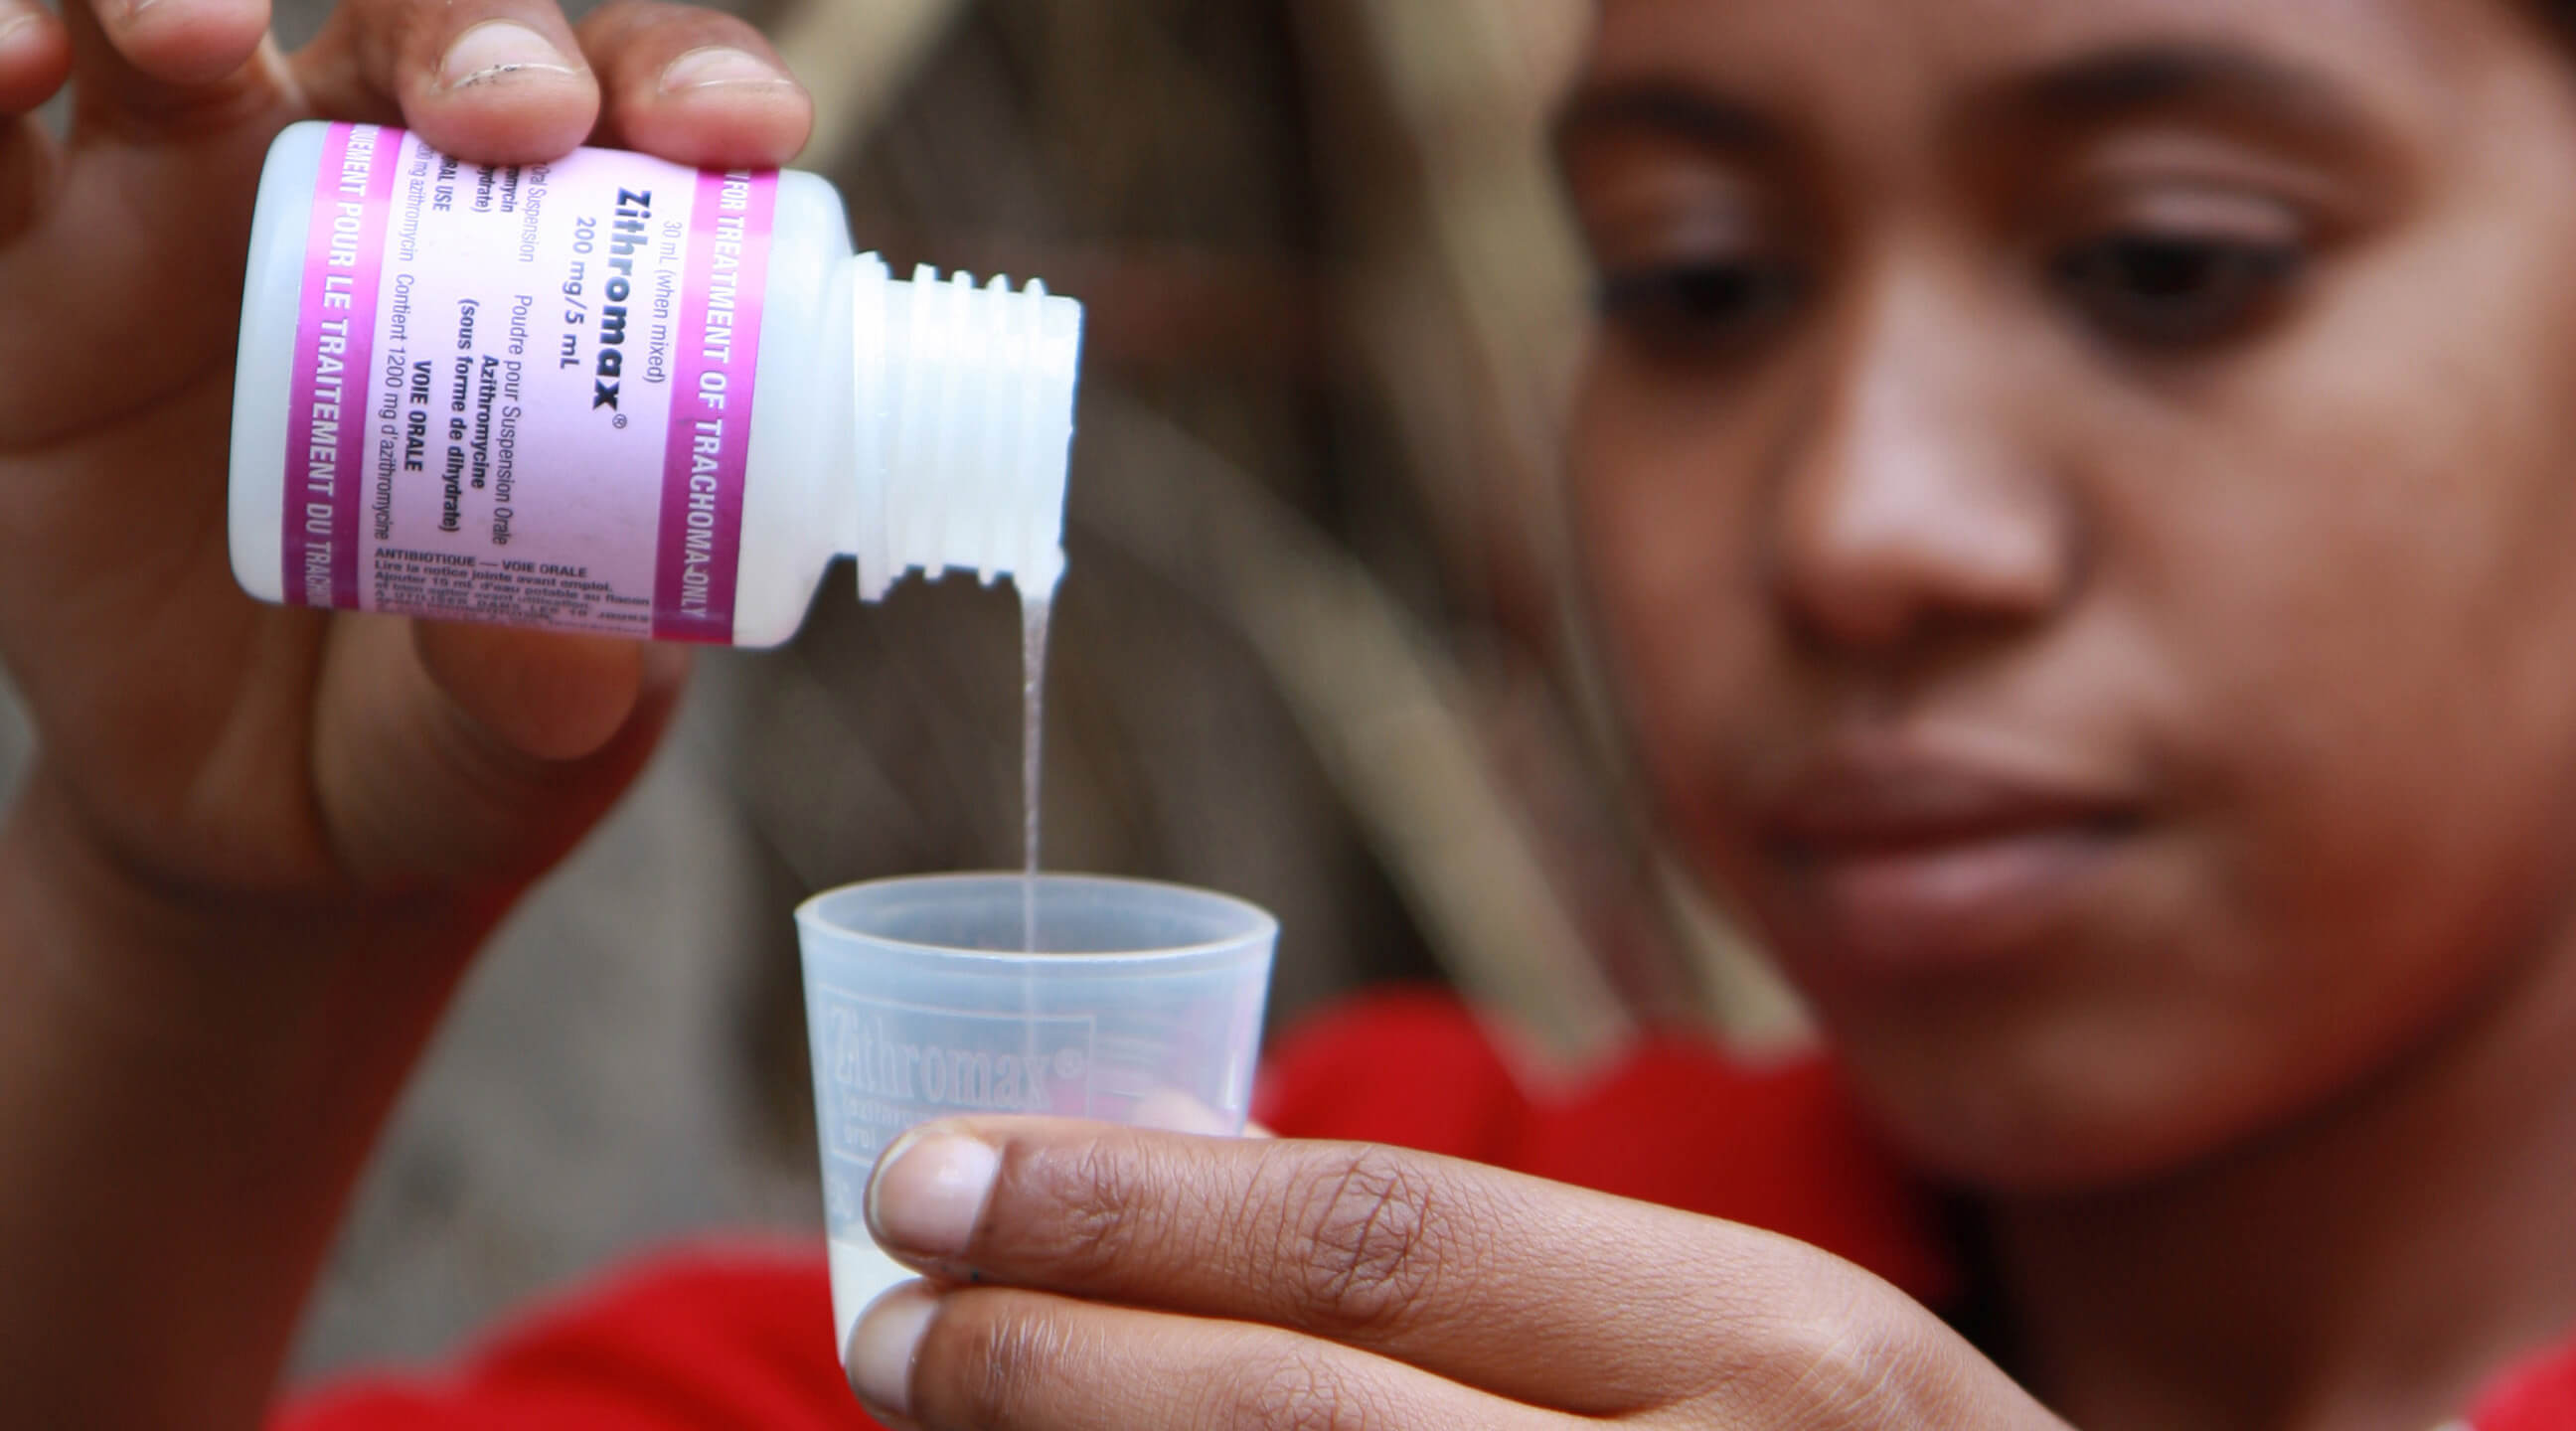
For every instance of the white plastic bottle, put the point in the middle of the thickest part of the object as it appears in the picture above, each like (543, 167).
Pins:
(613, 394)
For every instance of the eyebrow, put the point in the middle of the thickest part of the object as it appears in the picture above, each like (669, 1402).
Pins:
(2089, 92)
(1669, 108)
(2229, 84)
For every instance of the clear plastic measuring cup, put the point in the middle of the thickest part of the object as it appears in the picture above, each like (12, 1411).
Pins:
(1141, 1005)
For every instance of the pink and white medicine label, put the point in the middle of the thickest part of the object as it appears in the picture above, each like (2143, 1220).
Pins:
(523, 394)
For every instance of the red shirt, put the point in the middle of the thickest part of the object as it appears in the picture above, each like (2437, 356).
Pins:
(719, 1337)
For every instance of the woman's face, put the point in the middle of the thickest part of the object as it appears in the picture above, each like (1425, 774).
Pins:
(2081, 495)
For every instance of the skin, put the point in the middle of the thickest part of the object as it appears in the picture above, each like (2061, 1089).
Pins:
(2084, 553)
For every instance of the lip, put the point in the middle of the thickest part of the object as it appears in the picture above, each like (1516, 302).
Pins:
(1904, 861)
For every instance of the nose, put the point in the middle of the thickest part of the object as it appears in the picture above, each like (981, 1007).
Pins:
(1910, 502)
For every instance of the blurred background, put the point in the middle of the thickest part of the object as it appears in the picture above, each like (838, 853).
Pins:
(1315, 645)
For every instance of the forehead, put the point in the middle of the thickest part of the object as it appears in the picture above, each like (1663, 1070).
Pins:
(1867, 64)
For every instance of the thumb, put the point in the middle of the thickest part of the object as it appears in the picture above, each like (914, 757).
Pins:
(472, 757)
(553, 697)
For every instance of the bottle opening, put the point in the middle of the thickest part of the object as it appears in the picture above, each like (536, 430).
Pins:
(963, 404)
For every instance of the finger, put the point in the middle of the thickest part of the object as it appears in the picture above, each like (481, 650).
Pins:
(172, 104)
(172, 66)
(552, 697)
(1534, 1290)
(980, 1357)
(35, 57)
(693, 86)
(473, 760)
(492, 81)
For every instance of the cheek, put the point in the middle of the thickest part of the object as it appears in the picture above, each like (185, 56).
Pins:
(2396, 804)
(2391, 665)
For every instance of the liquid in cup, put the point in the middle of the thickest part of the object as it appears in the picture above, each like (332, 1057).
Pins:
(1141, 1004)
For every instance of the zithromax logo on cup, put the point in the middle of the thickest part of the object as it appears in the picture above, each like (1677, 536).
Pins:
(888, 1066)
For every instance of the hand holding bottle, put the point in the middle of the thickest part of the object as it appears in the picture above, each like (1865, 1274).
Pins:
(208, 743)
(258, 844)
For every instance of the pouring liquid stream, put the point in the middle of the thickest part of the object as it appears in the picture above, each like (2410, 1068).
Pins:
(1035, 608)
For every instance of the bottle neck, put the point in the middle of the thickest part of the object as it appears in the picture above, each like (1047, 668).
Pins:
(962, 414)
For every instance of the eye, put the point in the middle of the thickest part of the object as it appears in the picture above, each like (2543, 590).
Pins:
(2151, 289)
(1700, 307)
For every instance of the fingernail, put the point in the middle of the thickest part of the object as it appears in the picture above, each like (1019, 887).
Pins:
(12, 26)
(882, 1345)
(496, 48)
(712, 65)
(929, 1190)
